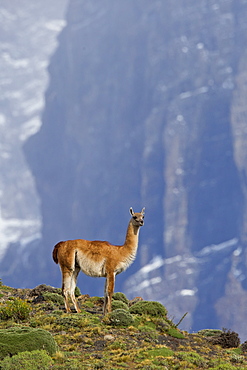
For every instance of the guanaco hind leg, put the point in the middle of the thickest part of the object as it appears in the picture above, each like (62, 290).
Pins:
(68, 288)
(72, 288)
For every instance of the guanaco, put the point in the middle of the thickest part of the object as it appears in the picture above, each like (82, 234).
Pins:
(97, 259)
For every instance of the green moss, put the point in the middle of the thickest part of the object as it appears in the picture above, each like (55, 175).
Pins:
(120, 297)
(121, 317)
(148, 307)
(173, 332)
(165, 352)
(23, 338)
(35, 360)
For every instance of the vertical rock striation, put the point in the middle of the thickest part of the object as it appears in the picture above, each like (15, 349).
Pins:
(146, 107)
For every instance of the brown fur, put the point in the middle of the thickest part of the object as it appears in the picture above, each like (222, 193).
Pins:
(97, 259)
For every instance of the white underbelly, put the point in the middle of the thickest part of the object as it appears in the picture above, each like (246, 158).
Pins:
(90, 267)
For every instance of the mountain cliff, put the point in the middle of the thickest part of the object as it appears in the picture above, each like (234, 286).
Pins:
(27, 39)
(146, 107)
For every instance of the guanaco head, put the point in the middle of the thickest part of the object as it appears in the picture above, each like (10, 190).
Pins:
(137, 218)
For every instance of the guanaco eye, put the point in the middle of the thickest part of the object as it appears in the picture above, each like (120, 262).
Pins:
(135, 217)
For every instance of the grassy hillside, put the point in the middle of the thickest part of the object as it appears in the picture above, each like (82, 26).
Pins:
(137, 335)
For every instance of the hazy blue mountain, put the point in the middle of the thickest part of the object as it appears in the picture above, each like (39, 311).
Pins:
(146, 107)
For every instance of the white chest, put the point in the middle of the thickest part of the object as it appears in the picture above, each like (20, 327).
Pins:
(123, 265)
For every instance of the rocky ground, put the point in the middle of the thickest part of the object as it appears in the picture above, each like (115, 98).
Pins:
(137, 335)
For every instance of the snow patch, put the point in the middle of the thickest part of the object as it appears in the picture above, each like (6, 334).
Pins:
(187, 292)
(217, 247)
(156, 263)
(237, 252)
(32, 106)
(14, 230)
(30, 128)
(200, 46)
(55, 25)
(148, 282)
(186, 95)
(2, 119)
(15, 63)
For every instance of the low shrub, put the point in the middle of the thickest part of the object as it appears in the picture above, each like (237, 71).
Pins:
(148, 331)
(244, 346)
(77, 291)
(148, 307)
(119, 304)
(120, 317)
(70, 321)
(34, 360)
(227, 339)
(162, 325)
(16, 309)
(53, 297)
(210, 332)
(23, 338)
(119, 296)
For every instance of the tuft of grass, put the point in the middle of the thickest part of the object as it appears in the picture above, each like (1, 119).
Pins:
(16, 309)
(192, 358)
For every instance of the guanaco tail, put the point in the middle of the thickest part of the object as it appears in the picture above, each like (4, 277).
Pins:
(97, 259)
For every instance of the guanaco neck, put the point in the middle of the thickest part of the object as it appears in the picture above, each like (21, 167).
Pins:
(132, 234)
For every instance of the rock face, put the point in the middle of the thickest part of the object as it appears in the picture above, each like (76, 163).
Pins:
(27, 38)
(146, 107)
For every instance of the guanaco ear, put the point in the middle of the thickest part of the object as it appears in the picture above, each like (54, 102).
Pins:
(131, 211)
(143, 211)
